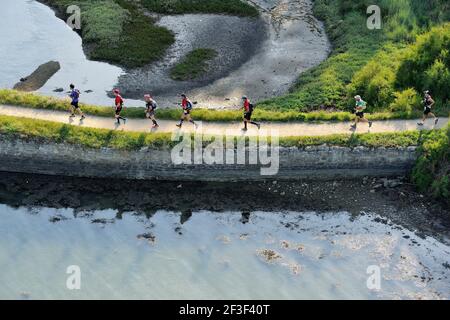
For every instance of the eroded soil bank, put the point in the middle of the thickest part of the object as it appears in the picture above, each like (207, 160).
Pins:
(395, 200)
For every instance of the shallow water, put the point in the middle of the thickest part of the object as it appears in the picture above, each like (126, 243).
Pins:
(32, 35)
(212, 255)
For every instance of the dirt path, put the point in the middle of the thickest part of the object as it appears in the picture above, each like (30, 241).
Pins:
(233, 128)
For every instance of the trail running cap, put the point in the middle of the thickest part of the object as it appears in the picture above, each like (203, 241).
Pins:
(116, 91)
(358, 97)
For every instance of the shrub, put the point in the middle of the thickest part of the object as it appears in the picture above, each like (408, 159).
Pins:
(405, 101)
(432, 171)
(368, 62)
(427, 64)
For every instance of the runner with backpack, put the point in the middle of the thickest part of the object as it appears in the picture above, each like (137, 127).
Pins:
(360, 106)
(187, 106)
(118, 102)
(248, 111)
(151, 109)
(75, 96)
(428, 103)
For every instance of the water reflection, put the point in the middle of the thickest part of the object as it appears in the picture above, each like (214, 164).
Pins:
(210, 255)
(33, 35)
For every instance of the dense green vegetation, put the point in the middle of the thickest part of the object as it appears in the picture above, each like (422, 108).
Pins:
(97, 138)
(117, 32)
(233, 7)
(389, 67)
(194, 65)
(31, 100)
(432, 171)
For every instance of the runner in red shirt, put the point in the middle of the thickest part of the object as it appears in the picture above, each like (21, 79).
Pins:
(118, 102)
(187, 106)
(248, 110)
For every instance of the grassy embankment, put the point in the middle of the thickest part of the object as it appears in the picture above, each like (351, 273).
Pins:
(194, 65)
(431, 173)
(97, 138)
(389, 67)
(36, 101)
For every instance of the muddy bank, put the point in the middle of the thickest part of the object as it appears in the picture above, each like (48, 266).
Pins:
(395, 199)
(260, 58)
(235, 39)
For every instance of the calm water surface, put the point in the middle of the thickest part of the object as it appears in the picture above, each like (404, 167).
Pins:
(210, 255)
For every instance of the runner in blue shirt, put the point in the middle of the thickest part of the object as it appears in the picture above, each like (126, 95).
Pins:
(75, 96)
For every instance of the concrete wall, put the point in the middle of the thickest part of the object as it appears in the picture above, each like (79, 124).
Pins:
(322, 162)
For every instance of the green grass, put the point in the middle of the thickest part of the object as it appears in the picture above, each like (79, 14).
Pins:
(232, 7)
(372, 63)
(432, 171)
(36, 101)
(194, 65)
(117, 32)
(100, 138)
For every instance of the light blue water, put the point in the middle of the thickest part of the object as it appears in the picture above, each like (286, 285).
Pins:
(215, 256)
(32, 35)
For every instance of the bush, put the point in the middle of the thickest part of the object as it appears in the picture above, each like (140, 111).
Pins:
(103, 21)
(370, 62)
(406, 101)
(427, 64)
(376, 80)
(100, 138)
(432, 171)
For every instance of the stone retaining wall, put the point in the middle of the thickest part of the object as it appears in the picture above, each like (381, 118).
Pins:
(321, 162)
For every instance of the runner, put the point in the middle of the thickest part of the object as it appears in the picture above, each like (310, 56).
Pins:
(75, 96)
(248, 110)
(119, 106)
(360, 106)
(186, 104)
(151, 109)
(428, 104)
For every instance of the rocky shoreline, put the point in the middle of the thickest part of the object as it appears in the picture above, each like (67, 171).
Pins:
(38, 78)
(395, 199)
